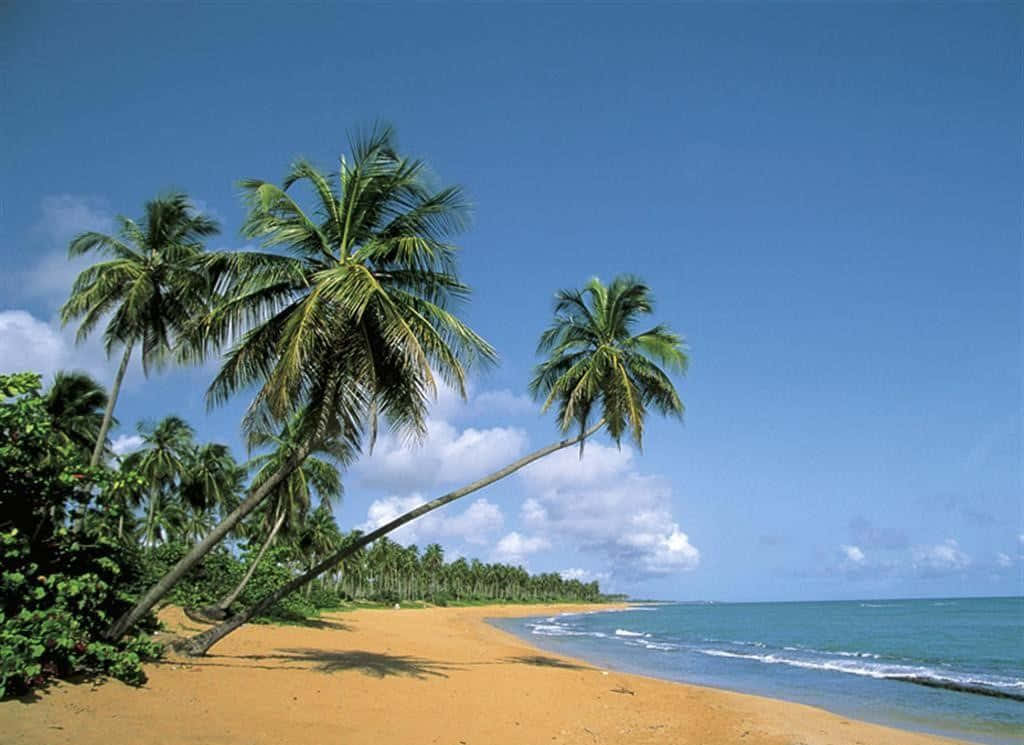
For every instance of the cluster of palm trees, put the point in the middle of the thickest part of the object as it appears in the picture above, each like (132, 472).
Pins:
(343, 322)
(190, 486)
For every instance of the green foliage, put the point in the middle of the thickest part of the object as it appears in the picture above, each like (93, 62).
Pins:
(221, 571)
(390, 573)
(348, 312)
(596, 359)
(63, 576)
(51, 623)
(150, 286)
(204, 585)
(75, 403)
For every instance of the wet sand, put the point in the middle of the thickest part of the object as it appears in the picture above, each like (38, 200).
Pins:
(411, 677)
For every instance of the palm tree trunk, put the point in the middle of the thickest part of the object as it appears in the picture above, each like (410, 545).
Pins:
(195, 555)
(200, 644)
(225, 603)
(108, 415)
(147, 539)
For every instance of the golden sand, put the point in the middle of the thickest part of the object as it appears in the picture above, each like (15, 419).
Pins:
(411, 677)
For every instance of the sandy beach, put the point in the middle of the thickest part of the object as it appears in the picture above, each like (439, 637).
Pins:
(440, 675)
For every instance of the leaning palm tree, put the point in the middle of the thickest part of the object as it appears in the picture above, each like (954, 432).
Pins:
(289, 503)
(75, 403)
(597, 362)
(150, 286)
(348, 324)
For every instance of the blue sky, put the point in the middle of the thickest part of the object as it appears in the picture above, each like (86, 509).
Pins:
(824, 199)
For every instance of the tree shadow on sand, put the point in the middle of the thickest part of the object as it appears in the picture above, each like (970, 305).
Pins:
(375, 664)
(318, 623)
(539, 660)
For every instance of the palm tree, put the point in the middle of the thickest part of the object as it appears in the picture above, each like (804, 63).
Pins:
(210, 484)
(595, 360)
(433, 562)
(151, 286)
(318, 535)
(290, 501)
(349, 325)
(75, 403)
(163, 462)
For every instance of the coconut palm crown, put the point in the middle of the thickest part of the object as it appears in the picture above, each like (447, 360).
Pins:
(150, 287)
(348, 312)
(597, 360)
(75, 403)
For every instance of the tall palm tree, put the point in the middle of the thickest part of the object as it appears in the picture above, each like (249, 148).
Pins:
(349, 324)
(318, 535)
(290, 501)
(596, 360)
(75, 403)
(212, 480)
(150, 286)
(162, 461)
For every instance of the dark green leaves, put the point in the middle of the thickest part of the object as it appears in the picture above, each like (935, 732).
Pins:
(596, 359)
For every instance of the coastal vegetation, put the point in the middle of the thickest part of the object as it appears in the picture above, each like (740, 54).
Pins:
(345, 320)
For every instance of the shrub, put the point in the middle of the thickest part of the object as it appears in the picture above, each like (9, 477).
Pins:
(51, 624)
(62, 581)
(324, 598)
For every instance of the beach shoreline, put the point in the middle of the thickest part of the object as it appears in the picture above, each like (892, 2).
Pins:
(435, 675)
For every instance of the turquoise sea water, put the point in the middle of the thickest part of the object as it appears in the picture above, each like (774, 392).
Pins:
(948, 666)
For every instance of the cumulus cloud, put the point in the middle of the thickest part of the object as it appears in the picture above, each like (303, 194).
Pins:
(475, 524)
(853, 553)
(63, 217)
(125, 444)
(448, 455)
(30, 344)
(450, 406)
(601, 504)
(514, 547)
(503, 402)
(939, 559)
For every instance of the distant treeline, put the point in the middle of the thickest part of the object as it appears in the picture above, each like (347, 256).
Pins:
(390, 572)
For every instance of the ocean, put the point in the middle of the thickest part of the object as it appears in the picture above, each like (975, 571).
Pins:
(952, 667)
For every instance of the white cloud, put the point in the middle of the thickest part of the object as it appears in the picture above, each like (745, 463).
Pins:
(565, 469)
(941, 558)
(125, 444)
(853, 553)
(28, 344)
(574, 573)
(63, 217)
(602, 505)
(503, 402)
(447, 456)
(514, 547)
(584, 575)
(449, 405)
(475, 524)
(1003, 560)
